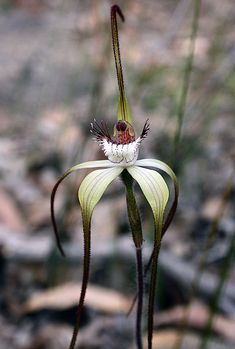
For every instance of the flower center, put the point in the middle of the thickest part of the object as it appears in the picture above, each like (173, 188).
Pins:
(124, 132)
(124, 148)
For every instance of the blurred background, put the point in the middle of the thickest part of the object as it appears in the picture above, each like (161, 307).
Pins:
(57, 74)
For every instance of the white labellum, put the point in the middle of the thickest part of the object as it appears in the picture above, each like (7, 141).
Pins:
(123, 154)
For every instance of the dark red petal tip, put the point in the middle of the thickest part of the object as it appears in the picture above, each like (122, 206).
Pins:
(116, 9)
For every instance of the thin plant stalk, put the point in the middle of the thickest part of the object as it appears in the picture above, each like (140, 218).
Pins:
(186, 80)
(202, 263)
(136, 229)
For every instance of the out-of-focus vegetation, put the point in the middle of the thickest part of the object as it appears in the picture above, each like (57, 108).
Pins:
(56, 75)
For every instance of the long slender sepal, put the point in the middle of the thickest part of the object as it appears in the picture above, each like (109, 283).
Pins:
(84, 165)
(159, 165)
(85, 278)
(93, 187)
(152, 286)
(153, 187)
(90, 192)
(156, 192)
(123, 107)
(55, 229)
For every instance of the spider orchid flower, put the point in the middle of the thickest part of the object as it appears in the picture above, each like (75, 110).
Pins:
(121, 150)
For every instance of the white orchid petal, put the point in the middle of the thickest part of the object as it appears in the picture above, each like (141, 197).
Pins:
(154, 189)
(157, 164)
(91, 164)
(84, 165)
(93, 187)
(90, 192)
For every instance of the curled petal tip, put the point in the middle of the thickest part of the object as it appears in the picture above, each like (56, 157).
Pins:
(116, 9)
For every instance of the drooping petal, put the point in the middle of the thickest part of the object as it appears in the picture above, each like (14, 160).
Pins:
(156, 192)
(93, 187)
(89, 193)
(91, 164)
(84, 165)
(157, 164)
(154, 189)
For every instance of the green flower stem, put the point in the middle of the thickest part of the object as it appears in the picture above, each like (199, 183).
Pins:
(136, 229)
(132, 209)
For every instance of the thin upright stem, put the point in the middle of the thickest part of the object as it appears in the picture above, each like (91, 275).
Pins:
(136, 228)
